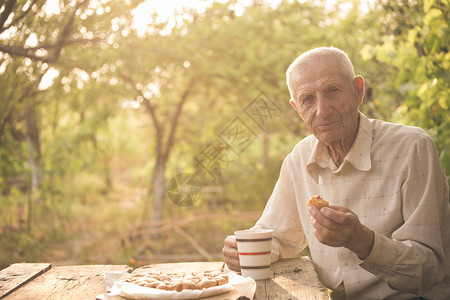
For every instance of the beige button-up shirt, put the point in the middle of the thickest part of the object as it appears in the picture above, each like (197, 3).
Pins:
(393, 180)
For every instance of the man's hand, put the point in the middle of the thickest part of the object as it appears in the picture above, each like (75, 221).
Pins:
(230, 253)
(338, 226)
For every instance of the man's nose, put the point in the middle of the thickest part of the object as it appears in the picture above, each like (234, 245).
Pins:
(323, 106)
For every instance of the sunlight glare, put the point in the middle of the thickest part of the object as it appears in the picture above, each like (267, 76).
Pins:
(156, 11)
(130, 103)
(48, 78)
(32, 40)
(164, 12)
(51, 7)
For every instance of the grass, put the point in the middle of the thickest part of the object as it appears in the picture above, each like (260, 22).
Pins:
(98, 232)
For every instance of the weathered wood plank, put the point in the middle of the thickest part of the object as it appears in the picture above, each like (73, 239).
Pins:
(16, 275)
(67, 282)
(293, 278)
(182, 267)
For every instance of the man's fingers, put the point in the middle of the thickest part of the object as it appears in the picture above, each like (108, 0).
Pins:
(233, 264)
(338, 214)
(230, 241)
(322, 218)
(325, 235)
(230, 253)
(339, 208)
(338, 226)
(331, 226)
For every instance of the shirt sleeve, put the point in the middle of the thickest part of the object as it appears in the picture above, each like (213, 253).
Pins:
(413, 259)
(281, 215)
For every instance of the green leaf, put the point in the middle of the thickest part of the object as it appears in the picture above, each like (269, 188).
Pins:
(427, 5)
(367, 52)
(443, 102)
(422, 90)
(433, 14)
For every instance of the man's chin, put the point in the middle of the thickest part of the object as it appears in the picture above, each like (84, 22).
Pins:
(328, 138)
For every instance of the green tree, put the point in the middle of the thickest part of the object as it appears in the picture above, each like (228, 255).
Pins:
(218, 62)
(415, 47)
(38, 47)
(18, 40)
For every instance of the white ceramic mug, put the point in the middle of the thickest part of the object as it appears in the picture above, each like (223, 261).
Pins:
(255, 249)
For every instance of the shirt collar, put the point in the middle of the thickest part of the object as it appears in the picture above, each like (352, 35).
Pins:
(358, 157)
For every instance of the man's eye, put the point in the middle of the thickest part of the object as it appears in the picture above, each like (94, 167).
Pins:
(308, 98)
(331, 90)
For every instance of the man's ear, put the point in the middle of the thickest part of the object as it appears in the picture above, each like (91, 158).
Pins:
(293, 104)
(358, 82)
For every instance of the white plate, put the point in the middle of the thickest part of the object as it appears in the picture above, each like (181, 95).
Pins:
(244, 286)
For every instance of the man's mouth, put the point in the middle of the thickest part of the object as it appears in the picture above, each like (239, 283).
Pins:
(326, 126)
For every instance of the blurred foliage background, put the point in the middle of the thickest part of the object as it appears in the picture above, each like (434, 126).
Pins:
(104, 102)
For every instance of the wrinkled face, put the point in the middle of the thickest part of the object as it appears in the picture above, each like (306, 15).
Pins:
(328, 102)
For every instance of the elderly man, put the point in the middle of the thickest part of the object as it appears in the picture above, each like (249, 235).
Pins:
(386, 233)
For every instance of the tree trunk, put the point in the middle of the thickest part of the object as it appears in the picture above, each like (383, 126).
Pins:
(266, 147)
(162, 151)
(159, 188)
(37, 174)
(32, 138)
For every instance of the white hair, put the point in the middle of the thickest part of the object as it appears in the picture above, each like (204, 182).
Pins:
(307, 60)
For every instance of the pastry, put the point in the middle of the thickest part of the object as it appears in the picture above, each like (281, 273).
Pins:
(317, 201)
(178, 281)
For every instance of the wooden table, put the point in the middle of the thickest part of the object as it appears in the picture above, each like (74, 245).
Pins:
(42, 281)
(291, 279)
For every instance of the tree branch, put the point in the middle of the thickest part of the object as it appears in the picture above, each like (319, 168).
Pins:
(63, 39)
(174, 125)
(150, 108)
(65, 33)
(68, 42)
(6, 116)
(194, 243)
(9, 6)
(29, 52)
(23, 52)
(18, 19)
